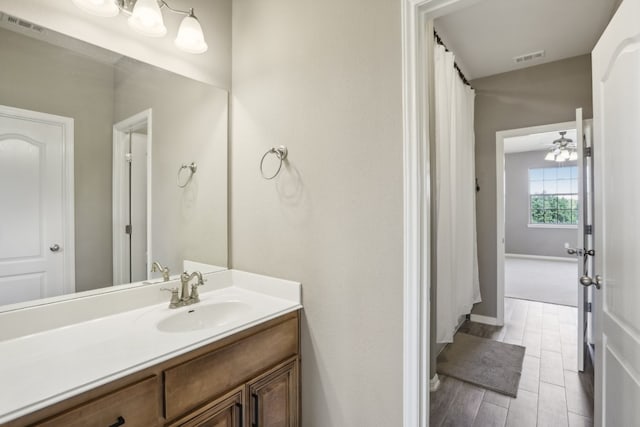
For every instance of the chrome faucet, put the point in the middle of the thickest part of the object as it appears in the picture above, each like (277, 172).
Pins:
(156, 266)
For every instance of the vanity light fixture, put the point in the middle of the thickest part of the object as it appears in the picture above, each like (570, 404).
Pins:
(145, 17)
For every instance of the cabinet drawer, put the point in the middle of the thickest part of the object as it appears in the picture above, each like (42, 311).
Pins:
(203, 379)
(137, 405)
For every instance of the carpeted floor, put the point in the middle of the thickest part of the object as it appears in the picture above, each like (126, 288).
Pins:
(553, 282)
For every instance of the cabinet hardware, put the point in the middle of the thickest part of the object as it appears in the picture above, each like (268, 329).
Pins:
(120, 421)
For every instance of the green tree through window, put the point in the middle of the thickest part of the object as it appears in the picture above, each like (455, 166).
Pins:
(553, 195)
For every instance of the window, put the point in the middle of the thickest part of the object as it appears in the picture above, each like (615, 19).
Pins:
(553, 195)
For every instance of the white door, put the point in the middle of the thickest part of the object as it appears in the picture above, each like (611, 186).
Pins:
(36, 249)
(584, 241)
(616, 95)
(131, 198)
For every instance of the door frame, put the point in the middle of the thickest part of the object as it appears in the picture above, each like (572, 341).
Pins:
(138, 121)
(416, 16)
(500, 202)
(66, 125)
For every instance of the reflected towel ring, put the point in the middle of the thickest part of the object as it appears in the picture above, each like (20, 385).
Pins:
(192, 169)
(281, 153)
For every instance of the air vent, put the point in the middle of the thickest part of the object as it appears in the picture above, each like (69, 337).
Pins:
(22, 23)
(528, 57)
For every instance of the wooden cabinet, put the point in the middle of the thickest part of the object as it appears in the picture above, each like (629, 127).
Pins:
(274, 397)
(224, 412)
(202, 379)
(135, 405)
(249, 379)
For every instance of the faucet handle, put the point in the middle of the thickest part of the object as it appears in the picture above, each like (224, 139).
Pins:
(175, 299)
(195, 296)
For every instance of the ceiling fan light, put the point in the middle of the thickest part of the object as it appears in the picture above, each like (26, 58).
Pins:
(573, 155)
(563, 156)
(190, 37)
(104, 8)
(146, 19)
(550, 156)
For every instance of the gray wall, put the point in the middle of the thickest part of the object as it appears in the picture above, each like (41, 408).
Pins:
(38, 76)
(519, 237)
(324, 79)
(544, 94)
(189, 125)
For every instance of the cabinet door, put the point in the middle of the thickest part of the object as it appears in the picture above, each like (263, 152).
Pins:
(226, 412)
(274, 397)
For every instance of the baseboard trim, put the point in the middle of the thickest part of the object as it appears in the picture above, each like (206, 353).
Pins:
(434, 383)
(484, 319)
(541, 257)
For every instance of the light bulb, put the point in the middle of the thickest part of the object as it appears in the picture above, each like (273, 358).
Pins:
(104, 8)
(190, 38)
(550, 156)
(573, 155)
(146, 18)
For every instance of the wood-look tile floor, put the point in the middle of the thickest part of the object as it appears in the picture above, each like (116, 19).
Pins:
(551, 391)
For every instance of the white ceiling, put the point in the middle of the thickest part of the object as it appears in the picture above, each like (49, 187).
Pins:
(488, 34)
(534, 142)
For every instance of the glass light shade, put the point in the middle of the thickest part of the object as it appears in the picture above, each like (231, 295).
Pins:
(146, 18)
(104, 8)
(550, 156)
(573, 155)
(563, 156)
(190, 37)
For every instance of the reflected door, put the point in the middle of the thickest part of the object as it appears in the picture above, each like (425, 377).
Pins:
(34, 247)
(131, 198)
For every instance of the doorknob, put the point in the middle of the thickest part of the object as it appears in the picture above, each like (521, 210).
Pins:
(54, 248)
(580, 252)
(588, 281)
(573, 251)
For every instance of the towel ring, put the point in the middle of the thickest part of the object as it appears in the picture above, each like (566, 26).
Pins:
(281, 153)
(192, 169)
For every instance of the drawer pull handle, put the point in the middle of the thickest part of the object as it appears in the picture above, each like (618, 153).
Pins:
(256, 413)
(120, 421)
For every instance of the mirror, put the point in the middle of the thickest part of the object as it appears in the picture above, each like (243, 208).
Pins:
(106, 165)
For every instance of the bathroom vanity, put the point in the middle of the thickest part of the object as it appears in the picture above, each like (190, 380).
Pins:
(230, 360)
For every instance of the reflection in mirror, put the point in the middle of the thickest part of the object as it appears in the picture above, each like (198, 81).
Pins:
(96, 174)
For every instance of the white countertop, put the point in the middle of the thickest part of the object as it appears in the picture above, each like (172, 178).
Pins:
(50, 365)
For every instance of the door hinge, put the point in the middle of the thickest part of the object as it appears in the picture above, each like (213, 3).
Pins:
(128, 157)
(588, 229)
(587, 307)
(128, 229)
(587, 152)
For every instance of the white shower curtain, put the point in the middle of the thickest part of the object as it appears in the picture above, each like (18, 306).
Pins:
(457, 281)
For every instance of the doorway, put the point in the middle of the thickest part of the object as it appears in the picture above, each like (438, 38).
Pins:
(607, 56)
(538, 213)
(132, 142)
(37, 248)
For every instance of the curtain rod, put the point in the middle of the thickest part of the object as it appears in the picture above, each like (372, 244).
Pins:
(455, 65)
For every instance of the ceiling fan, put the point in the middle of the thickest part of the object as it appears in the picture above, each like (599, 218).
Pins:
(562, 149)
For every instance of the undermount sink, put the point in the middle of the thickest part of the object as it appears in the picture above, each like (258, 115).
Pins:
(204, 316)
